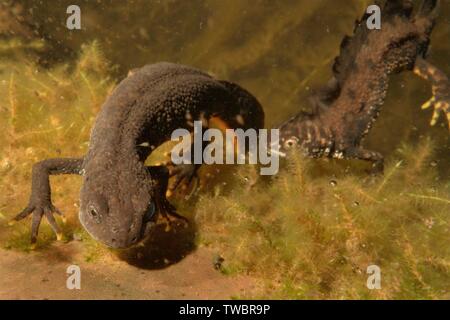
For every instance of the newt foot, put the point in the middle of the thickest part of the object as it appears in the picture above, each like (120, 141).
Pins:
(184, 176)
(37, 210)
(169, 215)
(441, 104)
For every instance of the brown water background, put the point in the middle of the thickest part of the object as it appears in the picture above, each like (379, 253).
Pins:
(278, 50)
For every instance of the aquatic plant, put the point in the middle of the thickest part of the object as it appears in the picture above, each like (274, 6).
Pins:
(46, 113)
(312, 231)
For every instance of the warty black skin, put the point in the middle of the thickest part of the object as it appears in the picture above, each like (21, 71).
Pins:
(121, 197)
(345, 110)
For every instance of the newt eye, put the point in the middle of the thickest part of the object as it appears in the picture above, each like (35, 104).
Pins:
(290, 142)
(93, 212)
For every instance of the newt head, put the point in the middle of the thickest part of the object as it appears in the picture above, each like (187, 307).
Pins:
(288, 142)
(118, 216)
(290, 132)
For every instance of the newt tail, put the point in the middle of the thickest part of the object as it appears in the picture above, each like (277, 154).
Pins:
(345, 110)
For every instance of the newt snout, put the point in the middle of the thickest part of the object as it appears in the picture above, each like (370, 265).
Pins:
(107, 218)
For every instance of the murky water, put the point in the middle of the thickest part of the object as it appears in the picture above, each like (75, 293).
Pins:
(279, 50)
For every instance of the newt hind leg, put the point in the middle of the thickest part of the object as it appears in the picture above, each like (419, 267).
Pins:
(440, 86)
(185, 174)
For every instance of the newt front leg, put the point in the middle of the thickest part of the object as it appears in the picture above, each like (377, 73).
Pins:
(40, 202)
(160, 174)
(183, 173)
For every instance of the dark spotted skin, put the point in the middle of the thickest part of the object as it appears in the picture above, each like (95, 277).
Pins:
(120, 197)
(347, 108)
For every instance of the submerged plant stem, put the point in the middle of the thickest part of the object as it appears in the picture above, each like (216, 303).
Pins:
(420, 196)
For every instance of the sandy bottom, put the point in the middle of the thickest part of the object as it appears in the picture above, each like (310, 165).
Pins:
(42, 275)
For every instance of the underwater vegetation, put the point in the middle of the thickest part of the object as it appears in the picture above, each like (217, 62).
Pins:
(47, 113)
(312, 231)
(309, 232)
